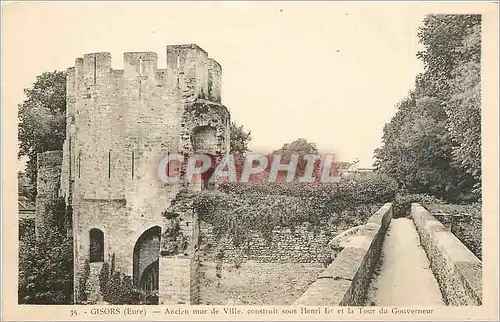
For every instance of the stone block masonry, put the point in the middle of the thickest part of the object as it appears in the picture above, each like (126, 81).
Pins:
(301, 245)
(48, 181)
(178, 281)
(458, 271)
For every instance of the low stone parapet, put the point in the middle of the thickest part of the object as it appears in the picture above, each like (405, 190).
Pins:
(346, 279)
(457, 269)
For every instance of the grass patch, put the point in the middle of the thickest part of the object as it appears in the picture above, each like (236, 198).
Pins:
(256, 283)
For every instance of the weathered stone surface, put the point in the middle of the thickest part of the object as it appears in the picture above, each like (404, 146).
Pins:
(457, 270)
(48, 179)
(403, 276)
(346, 265)
(178, 281)
(302, 245)
(346, 280)
(325, 291)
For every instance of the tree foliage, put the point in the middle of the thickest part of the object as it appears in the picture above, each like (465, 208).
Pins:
(46, 267)
(117, 288)
(464, 107)
(42, 119)
(432, 144)
(299, 146)
(24, 186)
(240, 138)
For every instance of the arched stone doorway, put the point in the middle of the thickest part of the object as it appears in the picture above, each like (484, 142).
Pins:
(96, 245)
(149, 279)
(146, 255)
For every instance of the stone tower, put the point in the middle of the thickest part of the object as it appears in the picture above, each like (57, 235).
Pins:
(48, 182)
(120, 124)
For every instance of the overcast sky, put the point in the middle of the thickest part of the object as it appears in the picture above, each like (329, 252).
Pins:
(328, 72)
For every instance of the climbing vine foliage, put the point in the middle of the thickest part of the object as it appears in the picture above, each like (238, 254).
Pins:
(238, 211)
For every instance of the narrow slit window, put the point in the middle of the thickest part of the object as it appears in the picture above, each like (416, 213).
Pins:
(168, 164)
(178, 68)
(79, 164)
(70, 160)
(109, 164)
(95, 68)
(133, 164)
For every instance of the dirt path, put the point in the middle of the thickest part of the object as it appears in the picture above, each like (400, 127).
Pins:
(403, 277)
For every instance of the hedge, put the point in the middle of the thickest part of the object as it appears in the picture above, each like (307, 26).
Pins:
(236, 210)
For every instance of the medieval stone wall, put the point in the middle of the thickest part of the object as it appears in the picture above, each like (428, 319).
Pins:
(301, 245)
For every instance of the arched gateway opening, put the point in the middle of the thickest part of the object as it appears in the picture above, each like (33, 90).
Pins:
(146, 255)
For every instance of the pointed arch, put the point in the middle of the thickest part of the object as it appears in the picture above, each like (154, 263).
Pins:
(146, 254)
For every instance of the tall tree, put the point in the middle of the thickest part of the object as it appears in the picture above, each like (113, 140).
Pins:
(464, 106)
(240, 138)
(443, 39)
(42, 120)
(433, 142)
(300, 148)
(452, 58)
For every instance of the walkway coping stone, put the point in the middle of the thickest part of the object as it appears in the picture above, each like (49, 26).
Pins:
(458, 271)
(346, 279)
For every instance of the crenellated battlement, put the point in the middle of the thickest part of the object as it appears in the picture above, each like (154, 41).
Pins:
(121, 120)
(189, 71)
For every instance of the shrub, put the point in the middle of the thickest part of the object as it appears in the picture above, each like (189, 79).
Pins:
(236, 210)
(118, 288)
(372, 188)
(104, 277)
(473, 209)
(82, 284)
(365, 189)
(470, 234)
(26, 229)
(112, 291)
(151, 298)
(46, 263)
(45, 269)
(112, 269)
(402, 203)
(128, 293)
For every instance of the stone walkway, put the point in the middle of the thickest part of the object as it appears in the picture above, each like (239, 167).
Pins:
(403, 277)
